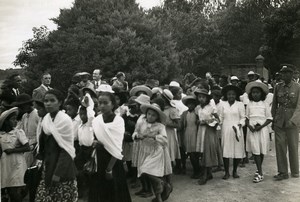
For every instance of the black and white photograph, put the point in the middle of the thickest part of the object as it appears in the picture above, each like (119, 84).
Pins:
(149, 100)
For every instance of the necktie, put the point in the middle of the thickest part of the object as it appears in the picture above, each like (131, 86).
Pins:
(17, 92)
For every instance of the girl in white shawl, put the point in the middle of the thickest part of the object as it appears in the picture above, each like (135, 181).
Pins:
(109, 183)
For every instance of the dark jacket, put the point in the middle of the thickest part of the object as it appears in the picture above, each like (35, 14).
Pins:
(58, 163)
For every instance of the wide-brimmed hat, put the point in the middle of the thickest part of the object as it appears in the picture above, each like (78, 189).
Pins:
(140, 88)
(156, 90)
(105, 88)
(151, 83)
(84, 74)
(257, 84)
(231, 87)
(286, 69)
(188, 98)
(251, 73)
(167, 94)
(22, 99)
(202, 91)
(195, 81)
(131, 101)
(143, 99)
(155, 107)
(90, 90)
(6, 113)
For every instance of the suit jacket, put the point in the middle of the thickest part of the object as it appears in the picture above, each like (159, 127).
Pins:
(8, 96)
(39, 93)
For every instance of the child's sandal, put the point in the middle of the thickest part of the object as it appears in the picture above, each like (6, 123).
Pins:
(258, 178)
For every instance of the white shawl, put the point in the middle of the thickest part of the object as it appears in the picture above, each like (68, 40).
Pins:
(62, 130)
(110, 134)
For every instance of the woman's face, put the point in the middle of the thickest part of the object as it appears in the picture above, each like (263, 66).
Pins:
(41, 110)
(152, 116)
(52, 104)
(231, 96)
(105, 104)
(71, 111)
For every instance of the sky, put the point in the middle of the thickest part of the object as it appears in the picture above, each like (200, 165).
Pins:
(18, 17)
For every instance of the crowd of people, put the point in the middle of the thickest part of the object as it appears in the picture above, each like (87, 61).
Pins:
(105, 137)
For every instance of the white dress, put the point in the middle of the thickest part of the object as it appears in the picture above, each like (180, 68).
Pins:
(258, 113)
(232, 116)
(13, 166)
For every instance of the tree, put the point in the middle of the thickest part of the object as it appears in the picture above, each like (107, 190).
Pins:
(112, 35)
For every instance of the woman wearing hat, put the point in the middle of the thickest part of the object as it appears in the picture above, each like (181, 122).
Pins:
(172, 123)
(120, 84)
(140, 89)
(56, 149)
(259, 116)
(153, 161)
(13, 144)
(232, 116)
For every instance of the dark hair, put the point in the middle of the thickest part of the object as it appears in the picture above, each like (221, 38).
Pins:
(160, 102)
(112, 99)
(192, 101)
(174, 90)
(263, 94)
(123, 96)
(119, 74)
(45, 73)
(237, 98)
(58, 94)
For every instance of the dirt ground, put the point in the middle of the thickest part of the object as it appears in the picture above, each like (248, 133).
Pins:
(242, 189)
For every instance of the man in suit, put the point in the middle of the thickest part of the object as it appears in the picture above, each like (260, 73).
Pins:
(39, 93)
(286, 115)
(97, 78)
(10, 89)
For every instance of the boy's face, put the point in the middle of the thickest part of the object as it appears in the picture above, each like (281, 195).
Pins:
(152, 116)
(83, 115)
(191, 105)
(71, 111)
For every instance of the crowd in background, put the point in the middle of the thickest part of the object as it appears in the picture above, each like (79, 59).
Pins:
(138, 135)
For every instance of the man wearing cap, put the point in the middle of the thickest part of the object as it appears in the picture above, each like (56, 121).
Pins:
(286, 115)
(234, 80)
(40, 92)
(252, 76)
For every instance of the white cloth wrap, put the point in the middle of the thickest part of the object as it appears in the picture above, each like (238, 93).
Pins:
(111, 135)
(62, 130)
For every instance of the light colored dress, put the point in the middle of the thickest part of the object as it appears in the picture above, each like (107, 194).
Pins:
(13, 166)
(189, 122)
(152, 157)
(232, 116)
(258, 113)
(172, 114)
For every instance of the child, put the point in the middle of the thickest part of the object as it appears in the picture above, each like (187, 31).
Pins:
(172, 123)
(189, 127)
(13, 144)
(258, 117)
(85, 140)
(153, 161)
(217, 95)
(206, 137)
(130, 119)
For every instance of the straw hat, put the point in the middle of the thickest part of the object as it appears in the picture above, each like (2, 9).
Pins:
(156, 108)
(156, 90)
(6, 113)
(257, 84)
(140, 88)
(202, 91)
(91, 91)
(22, 99)
(168, 94)
(105, 88)
(231, 87)
(251, 73)
(188, 98)
(131, 101)
(143, 99)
